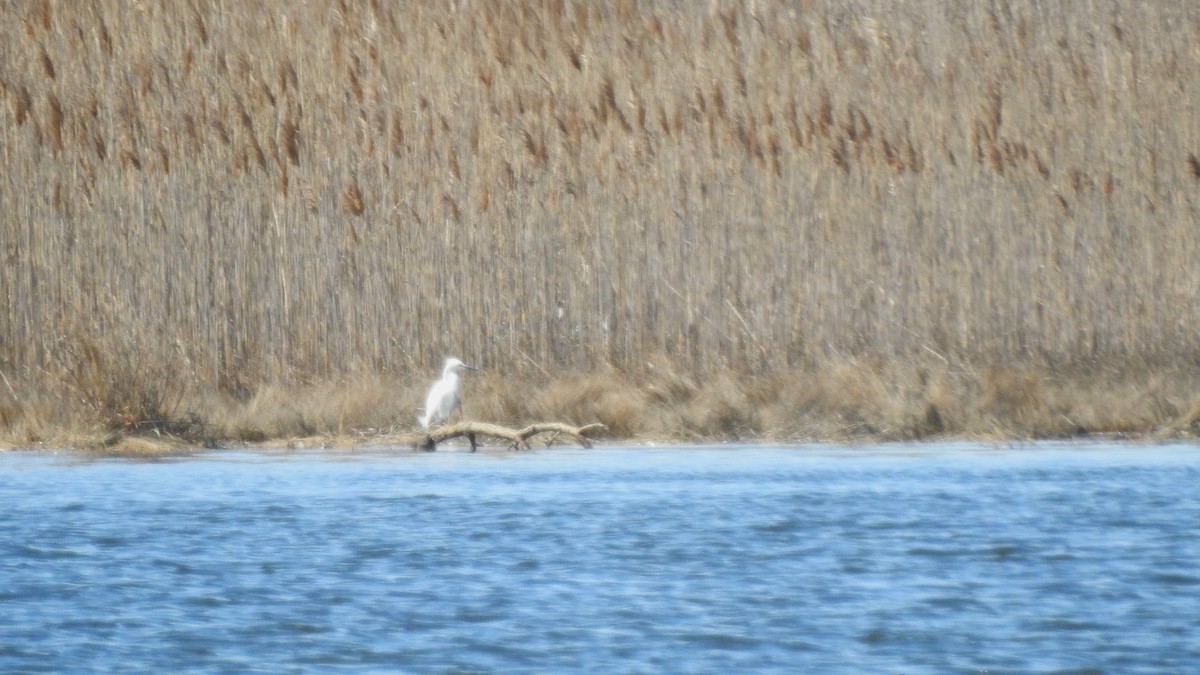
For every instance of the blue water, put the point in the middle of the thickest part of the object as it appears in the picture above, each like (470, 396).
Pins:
(951, 558)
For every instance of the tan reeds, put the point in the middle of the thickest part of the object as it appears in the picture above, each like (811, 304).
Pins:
(846, 191)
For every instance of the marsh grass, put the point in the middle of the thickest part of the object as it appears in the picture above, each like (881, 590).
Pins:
(831, 219)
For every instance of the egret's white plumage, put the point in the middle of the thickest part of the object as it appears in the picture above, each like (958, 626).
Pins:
(443, 400)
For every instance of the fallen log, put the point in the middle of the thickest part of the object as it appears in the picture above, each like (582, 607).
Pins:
(518, 438)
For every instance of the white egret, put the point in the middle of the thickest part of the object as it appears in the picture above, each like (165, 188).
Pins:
(442, 400)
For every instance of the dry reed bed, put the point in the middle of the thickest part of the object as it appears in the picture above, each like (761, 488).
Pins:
(822, 218)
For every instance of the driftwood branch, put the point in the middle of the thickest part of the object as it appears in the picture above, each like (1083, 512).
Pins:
(518, 439)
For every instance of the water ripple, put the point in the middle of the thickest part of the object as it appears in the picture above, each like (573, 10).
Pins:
(622, 560)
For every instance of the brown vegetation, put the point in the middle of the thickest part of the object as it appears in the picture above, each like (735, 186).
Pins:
(830, 219)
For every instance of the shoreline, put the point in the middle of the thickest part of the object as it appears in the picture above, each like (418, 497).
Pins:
(835, 403)
(144, 447)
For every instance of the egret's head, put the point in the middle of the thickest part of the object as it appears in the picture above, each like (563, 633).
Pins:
(453, 365)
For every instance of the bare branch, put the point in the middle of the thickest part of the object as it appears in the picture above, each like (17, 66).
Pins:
(518, 439)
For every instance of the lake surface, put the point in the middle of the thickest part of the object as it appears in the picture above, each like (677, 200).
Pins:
(898, 559)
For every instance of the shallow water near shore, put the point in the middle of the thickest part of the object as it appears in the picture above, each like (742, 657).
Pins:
(895, 558)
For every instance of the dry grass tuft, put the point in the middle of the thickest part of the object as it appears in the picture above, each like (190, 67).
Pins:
(609, 399)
